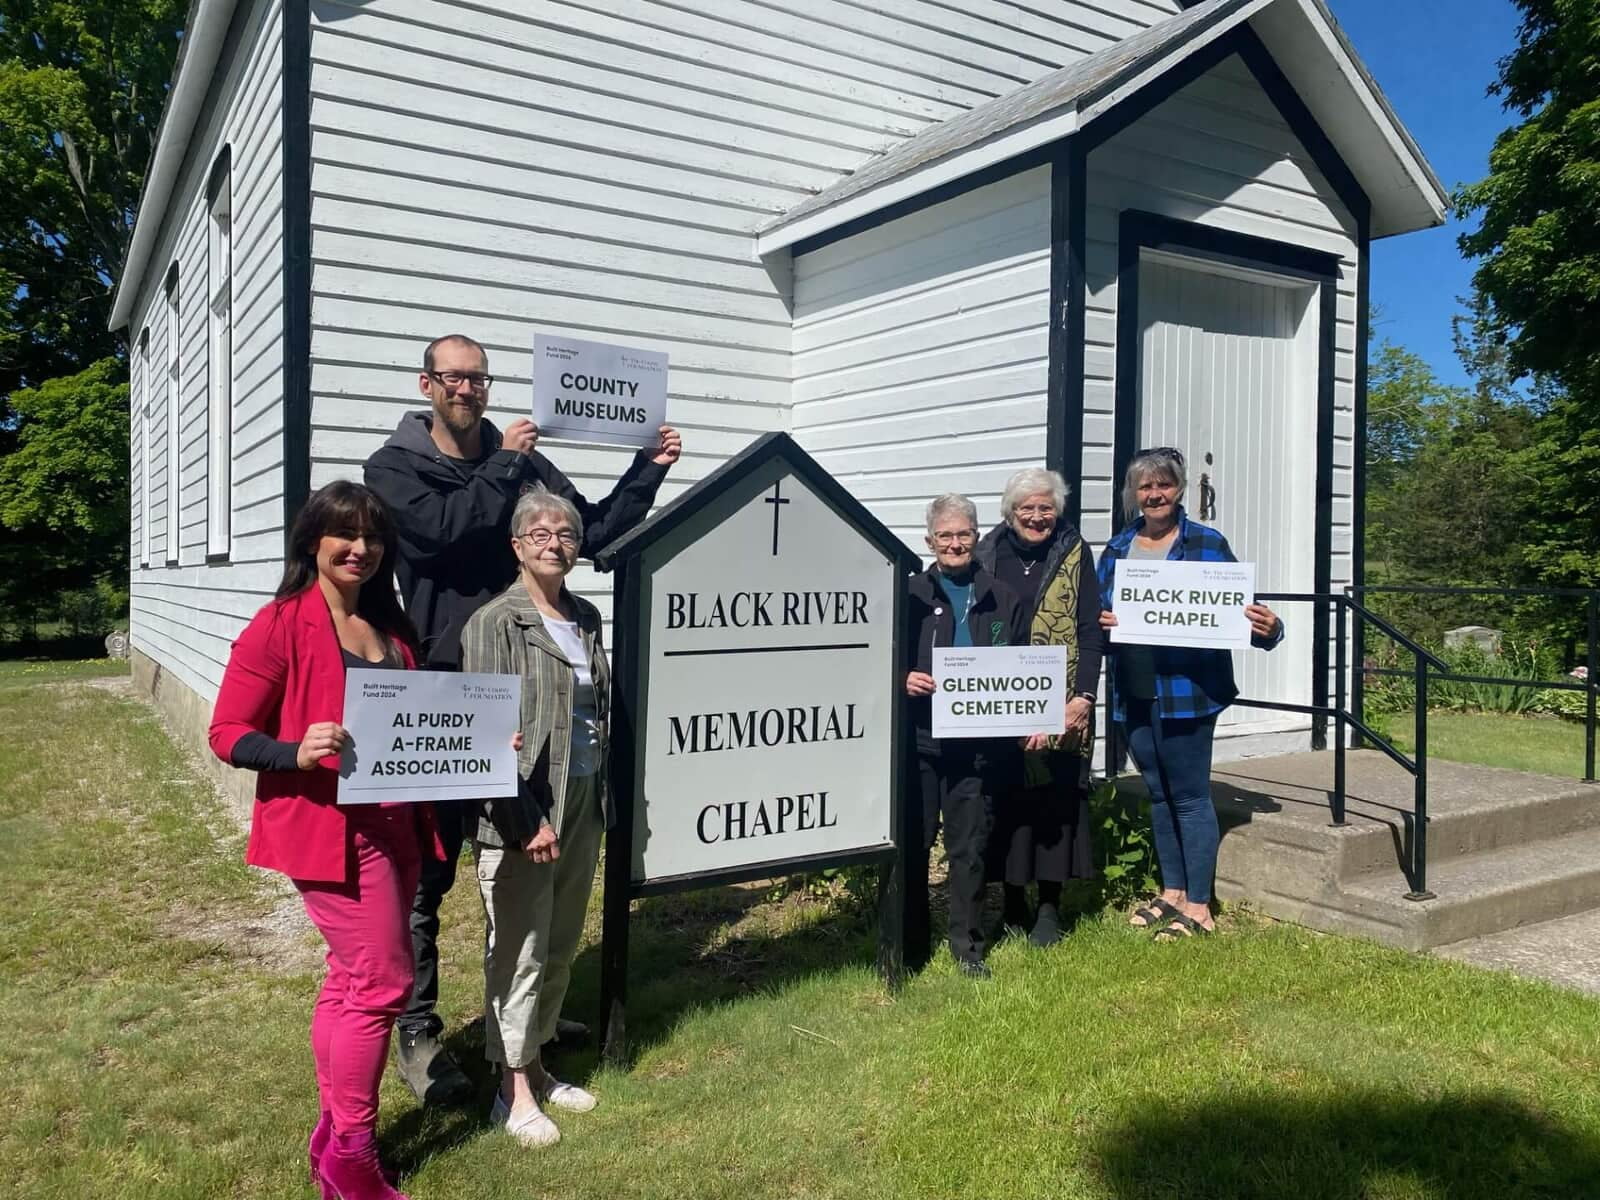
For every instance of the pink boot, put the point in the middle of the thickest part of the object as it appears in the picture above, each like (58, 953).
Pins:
(318, 1145)
(350, 1169)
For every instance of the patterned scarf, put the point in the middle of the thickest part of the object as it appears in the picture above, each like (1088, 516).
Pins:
(1055, 623)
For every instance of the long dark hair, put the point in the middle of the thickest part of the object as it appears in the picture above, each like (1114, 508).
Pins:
(348, 507)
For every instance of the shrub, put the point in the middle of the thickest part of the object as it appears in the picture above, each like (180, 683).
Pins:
(1124, 849)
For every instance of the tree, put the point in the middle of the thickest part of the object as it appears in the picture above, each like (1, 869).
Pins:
(1447, 484)
(1538, 251)
(1538, 243)
(67, 477)
(82, 84)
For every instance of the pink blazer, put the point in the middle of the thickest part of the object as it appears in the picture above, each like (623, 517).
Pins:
(285, 674)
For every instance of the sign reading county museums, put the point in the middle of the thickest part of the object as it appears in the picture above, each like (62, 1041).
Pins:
(1000, 691)
(1176, 603)
(767, 718)
(595, 392)
(429, 735)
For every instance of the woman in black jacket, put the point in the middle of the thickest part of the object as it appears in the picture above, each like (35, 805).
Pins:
(1041, 827)
(956, 603)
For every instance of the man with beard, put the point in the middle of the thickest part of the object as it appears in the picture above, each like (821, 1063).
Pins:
(452, 478)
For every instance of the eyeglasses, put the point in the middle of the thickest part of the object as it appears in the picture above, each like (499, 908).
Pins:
(477, 380)
(1036, 510)
(540, 538)
(1161, 452)
(963, 538)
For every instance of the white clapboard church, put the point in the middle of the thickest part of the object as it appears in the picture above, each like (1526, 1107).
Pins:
(934, 240)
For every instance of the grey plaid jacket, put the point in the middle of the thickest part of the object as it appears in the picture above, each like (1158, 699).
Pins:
(507, 636)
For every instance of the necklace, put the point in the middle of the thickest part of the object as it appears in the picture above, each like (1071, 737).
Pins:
(1027, 567)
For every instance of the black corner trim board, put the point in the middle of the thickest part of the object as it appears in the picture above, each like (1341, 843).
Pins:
(296, 258)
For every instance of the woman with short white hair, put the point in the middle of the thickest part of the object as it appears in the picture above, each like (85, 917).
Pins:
(537, 851)
(955, 603)
(1041, 827)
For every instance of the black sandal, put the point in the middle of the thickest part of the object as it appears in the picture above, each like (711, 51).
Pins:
(1180, 928)
(1152, 914)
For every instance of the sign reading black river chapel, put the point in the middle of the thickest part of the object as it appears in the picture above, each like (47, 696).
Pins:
(757, 725)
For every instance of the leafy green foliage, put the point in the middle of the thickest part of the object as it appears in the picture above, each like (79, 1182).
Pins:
(1447, 478)
(64, 492)
(1538, 252)
(1124, 848)
(81, 90)
(68, 473)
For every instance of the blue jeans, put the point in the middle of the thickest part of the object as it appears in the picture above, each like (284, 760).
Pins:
(1174, 756)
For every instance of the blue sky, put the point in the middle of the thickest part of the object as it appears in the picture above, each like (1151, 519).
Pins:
(1434, 60)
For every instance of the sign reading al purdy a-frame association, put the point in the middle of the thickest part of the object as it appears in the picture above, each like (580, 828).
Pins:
(757, 722)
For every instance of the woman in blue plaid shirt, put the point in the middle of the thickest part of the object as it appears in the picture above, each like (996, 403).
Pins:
(1166, 698)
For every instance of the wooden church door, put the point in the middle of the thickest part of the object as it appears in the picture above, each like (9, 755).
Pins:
(1228, 374)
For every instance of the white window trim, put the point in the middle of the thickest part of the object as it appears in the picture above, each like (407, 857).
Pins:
(141, 415)
(219, 360)
(173, 393)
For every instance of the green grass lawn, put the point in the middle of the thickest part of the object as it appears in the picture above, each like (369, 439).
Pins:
(157, 1005)
(1544, 744)
(18, 671)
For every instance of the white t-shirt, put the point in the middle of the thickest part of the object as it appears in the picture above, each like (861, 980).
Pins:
(584, 758)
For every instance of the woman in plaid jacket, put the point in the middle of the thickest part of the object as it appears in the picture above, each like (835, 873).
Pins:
(1166, 698)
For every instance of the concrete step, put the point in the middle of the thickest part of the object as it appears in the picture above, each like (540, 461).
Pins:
(1565, 951)
(1285, 803)
(1484, 893)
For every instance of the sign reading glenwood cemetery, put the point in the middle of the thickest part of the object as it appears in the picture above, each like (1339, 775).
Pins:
(757, 725)
(999, 691)
(1162, 602)
(428, 735)
(597, 392)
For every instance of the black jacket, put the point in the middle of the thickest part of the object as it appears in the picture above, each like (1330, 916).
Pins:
(995, 619)
(454, 519)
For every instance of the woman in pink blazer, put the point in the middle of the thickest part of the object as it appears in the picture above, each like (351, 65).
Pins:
(279, 713)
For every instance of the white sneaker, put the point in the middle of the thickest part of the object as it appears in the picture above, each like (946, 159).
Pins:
(567, 1097)
(531, 1129)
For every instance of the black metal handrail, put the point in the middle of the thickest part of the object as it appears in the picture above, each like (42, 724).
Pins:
(1590, 686)
(1344, 605)
(1339, 712)
(1350, 717)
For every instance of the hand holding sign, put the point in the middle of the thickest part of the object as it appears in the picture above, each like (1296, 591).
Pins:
(670, 450)
(522, 435)
(323, 740)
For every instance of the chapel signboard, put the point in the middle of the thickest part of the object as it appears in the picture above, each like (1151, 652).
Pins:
(757, 723)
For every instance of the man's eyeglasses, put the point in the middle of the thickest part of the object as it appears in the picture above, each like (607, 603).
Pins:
(540, 538)
(478, 381)
(1161, 452)
(964, 538)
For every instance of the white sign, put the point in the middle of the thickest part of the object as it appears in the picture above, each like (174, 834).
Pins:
(596, 392)
(999, 691)
(429, 735)
(766, 719)
(1178, 603)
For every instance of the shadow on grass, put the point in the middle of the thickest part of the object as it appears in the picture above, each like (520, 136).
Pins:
(688, 950)
(697, 949)
(1366, 1144)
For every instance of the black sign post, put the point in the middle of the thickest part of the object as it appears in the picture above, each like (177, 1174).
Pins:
(773, 520)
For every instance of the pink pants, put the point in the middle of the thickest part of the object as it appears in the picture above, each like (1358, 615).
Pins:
(366, 923)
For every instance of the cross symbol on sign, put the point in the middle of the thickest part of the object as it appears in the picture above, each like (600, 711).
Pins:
(775, 500)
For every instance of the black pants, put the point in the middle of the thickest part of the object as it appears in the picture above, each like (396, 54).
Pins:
(435, 882)
(953, 792)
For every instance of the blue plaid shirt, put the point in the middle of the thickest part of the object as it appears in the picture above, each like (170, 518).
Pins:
(1190, 682)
